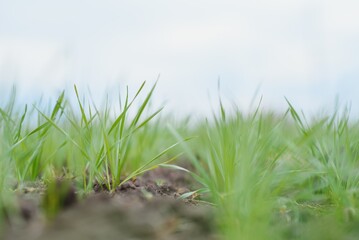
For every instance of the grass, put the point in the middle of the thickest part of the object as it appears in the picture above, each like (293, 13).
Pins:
(277, 176)
(269, 175)
(78, 141)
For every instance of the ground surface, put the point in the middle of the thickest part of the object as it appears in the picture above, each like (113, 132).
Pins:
(145, 208)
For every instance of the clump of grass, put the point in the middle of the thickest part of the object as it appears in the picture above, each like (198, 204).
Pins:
(102, 143)
(78, 141)
(326, 152)
(236, 165)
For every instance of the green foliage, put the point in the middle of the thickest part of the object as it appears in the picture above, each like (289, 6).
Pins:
(79, 141)
(272, 176)
(327, 160)
(268, 175)
(236, 163)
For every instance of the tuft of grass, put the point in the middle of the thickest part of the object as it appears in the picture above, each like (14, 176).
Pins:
(326, 161)
(97, 145)
(236, 165)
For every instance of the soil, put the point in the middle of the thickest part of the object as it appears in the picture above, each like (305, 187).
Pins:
(147, 207)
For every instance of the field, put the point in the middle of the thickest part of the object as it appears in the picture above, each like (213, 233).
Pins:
(73, 169)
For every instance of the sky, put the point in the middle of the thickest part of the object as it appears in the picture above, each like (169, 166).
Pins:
(304, 50)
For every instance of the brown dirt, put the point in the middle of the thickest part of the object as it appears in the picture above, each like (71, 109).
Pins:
(144, 208)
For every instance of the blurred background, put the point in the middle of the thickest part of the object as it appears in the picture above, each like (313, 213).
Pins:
(305, 50)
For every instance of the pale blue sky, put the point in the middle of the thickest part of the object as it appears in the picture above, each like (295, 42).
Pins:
(306, 50)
